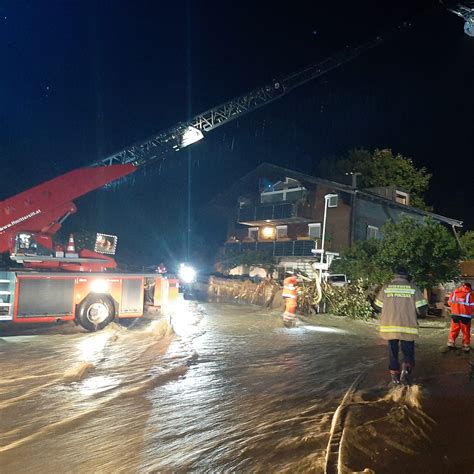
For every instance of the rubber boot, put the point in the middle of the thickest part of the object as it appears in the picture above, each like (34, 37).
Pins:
(395, 377)
(289, 319)
(405, 376)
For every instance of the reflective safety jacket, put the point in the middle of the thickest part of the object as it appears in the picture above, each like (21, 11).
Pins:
(461, 302)
(400, 302)
(290, 288)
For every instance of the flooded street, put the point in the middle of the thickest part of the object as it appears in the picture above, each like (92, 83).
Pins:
(232, 390)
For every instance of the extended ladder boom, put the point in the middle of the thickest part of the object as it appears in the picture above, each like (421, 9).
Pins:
(185, 133)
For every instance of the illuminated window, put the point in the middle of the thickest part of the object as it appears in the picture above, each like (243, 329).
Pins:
(253, 233)
(267, 233)
(372, 232)
(314, 231)
(282, 231)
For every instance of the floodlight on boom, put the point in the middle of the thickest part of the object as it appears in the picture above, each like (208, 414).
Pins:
(465, 10)
(190, 135)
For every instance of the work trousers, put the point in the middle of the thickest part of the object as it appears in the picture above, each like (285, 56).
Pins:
(289, 316)
(460, 323)
(290, 305)
(408, 351)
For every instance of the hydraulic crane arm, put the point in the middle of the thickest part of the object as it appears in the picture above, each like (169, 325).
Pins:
(185, 133)
(465, 10)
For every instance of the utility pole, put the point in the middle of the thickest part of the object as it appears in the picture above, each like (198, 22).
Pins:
(354, 175)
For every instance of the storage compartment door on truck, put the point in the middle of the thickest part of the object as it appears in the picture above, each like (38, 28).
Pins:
(132, 297)
(41, 298)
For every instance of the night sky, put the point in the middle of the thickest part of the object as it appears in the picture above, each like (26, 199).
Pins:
(81, 80)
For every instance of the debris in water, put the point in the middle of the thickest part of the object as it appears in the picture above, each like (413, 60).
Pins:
(78, 372)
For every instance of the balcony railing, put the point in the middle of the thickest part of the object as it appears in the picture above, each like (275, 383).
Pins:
(285, 212)
(289, 248)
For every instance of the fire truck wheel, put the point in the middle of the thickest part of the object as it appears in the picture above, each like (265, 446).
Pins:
(95, 312)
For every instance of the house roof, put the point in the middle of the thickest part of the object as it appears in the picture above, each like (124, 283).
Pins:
(269, 170)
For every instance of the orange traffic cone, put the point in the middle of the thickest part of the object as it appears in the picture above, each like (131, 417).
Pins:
(71, 247)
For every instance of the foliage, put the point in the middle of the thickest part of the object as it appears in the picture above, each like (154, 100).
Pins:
(426, 249)
(307, 297)
(251, 258)
(382, 168)
(467, 242)
(83, 239)
(350, 301)
(360, 263)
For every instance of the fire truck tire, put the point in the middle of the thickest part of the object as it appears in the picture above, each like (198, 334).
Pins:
(95, 312)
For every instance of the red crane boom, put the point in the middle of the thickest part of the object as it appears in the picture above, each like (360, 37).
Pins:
(43, 208)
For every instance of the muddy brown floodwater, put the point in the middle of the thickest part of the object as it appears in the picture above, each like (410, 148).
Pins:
(232, 390)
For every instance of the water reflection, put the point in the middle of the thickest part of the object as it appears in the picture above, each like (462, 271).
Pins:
(90, 349)
(232, 391)
(325, 329)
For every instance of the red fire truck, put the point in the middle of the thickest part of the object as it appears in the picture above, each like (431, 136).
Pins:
(62, 284)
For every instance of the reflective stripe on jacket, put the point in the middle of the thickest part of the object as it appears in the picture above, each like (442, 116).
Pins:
(399, 302)
(461, 302)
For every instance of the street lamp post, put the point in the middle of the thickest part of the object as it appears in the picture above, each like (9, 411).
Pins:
(327, 197)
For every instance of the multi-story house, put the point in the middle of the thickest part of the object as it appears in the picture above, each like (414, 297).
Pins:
(286, 214)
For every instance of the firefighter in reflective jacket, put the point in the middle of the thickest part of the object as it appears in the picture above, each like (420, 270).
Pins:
(400, 303)
(461, 302)
(290, 293)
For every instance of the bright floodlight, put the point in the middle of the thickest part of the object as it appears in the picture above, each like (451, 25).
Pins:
(191, 135)
(99, 286)
(465, 10)
(469, 26)
(187, 273)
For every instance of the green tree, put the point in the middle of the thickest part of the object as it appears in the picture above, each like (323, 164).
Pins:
(360, 263)
(381, 168)
(426, 249)
(467, 242)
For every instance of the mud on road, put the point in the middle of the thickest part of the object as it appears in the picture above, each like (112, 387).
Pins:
(230, 390)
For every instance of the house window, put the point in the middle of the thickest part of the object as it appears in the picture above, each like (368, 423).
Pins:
(401, 197)
(314, 231)
(332, 201)
(267, 233)
(282, 231)
(372, 232)
(253, 233)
